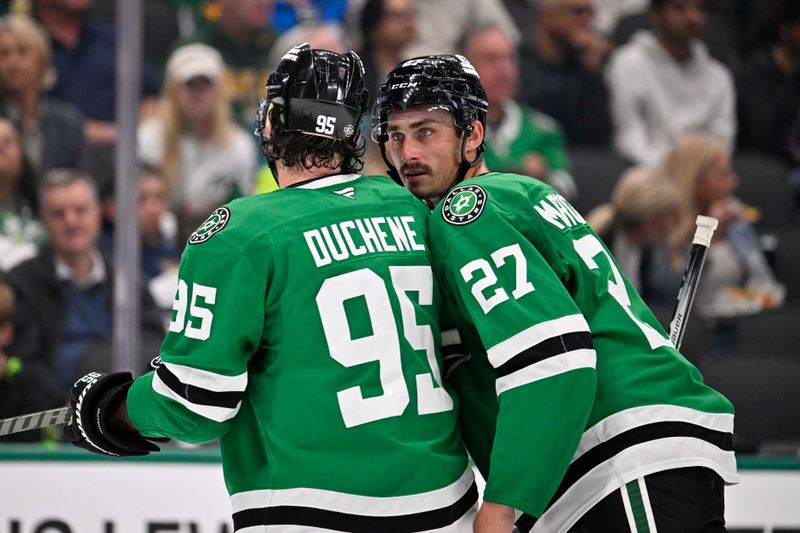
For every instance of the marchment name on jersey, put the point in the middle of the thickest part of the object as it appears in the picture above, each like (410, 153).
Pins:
(351, 238)
(557, 211)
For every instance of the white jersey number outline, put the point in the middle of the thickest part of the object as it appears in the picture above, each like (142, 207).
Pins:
(589, 247)
(383, 345)
(198, 324)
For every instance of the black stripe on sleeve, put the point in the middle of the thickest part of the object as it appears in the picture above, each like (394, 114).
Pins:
(547, 348)
(351, 523)
(198, 395)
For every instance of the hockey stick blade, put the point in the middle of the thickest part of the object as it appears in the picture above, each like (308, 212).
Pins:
(691, 278)
(42, 419)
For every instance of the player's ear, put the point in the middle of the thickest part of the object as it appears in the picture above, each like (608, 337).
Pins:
(475, 137)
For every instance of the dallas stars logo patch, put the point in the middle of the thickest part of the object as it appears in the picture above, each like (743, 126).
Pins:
(464, 204)
(212, 225)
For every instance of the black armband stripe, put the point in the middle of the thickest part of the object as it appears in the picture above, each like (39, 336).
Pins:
(324, 518)
(551, 347)
(199, 395)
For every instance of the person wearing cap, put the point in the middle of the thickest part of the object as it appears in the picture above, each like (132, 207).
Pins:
(205, 158)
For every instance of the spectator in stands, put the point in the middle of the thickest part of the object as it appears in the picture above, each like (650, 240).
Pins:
(387, 28)
(158, 230)
(323, 35)
(289, 13)
(23, 388)
(157, 226)
(441, 24)
(518, 139)
(768, 86)
(84, 54)
(64, 294)
(561, 66)
(20, 232)
(635, 226)
(162, 26)
(205, 158)
(664, 83)
(243, 36)
(736, 278)
(52, 131)
(609, 12)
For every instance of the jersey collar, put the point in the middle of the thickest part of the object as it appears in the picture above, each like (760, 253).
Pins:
(324, 181)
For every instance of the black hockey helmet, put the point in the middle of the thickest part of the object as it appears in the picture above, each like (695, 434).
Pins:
(316, 92)
(438, 81)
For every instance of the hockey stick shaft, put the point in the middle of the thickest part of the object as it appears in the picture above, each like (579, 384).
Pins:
(42, 419)
(691, 277)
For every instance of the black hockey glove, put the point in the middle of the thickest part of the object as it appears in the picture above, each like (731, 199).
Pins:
(95, 398)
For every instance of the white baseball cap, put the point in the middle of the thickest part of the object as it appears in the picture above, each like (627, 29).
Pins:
(194, 60)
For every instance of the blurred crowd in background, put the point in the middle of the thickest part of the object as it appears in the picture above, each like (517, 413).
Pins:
(643, 113)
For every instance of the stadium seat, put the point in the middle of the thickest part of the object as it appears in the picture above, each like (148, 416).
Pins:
(776, 332)
(764, 183)
(763, 388)
(787, 263)
(596, 171)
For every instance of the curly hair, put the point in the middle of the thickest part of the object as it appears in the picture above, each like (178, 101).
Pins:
(304, 151)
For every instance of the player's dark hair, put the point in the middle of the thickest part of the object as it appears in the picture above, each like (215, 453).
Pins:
(312, 115)
(299, 150)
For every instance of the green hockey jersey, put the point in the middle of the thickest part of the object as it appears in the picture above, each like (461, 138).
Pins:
(572, 388)
(304, 335)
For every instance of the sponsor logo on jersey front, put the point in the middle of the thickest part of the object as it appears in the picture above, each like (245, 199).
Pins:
(464, 204)
(213, 224)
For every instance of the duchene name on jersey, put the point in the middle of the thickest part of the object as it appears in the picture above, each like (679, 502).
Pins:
(557, 211)
(352, 238)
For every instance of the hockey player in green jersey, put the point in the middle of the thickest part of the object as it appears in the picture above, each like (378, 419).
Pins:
(304, 336)
(576, 408)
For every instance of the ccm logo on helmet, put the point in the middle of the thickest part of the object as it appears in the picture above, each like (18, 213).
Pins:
(404, 85)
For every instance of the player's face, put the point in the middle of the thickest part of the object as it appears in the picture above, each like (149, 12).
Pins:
(424, 147)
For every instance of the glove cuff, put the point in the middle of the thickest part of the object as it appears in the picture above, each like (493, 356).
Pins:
(95, 405)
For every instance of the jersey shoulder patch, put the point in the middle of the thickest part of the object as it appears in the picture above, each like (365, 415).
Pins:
(464, 204)
(213, 224)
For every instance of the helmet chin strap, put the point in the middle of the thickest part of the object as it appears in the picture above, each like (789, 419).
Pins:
(392, 171)
(466, 164)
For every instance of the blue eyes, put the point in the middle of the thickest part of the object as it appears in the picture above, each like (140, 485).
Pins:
(422, 132)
